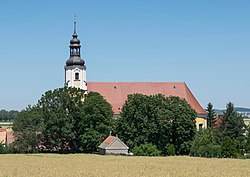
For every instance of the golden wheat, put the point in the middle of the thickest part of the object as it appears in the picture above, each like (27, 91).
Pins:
(119, 166)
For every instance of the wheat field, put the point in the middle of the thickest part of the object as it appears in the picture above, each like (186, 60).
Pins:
(118, 166)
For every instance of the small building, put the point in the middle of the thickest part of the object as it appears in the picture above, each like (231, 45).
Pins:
(112, 145)
(6, 136)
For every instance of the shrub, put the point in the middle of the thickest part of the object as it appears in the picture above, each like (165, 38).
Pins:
(228, 146)
(2, 148)
(204, 145)
(170, 149)
(212, 150)
(5, 149)
(146, 150)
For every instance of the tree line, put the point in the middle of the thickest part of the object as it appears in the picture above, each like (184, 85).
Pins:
(8, 115)
(150, 125)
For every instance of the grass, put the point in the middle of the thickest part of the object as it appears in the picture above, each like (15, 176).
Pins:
(105, 166)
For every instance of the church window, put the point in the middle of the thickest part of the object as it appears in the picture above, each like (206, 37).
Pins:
(76, 76)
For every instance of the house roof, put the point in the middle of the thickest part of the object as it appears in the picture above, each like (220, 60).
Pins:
(6, 136)
(3, 135)
(116, 92)
(109, 141)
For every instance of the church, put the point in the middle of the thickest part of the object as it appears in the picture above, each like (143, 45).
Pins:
(116, 92)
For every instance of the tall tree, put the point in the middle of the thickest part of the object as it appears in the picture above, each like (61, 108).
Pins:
(27, 129)
(143, 117)
(232, 124)
(61, 112)
(95, 123)
(210, 116)
(183, 124)
(157, 120)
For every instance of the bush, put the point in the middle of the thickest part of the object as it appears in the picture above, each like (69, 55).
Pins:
(213, 150)
(2, 148)
(5, 149)
(146, 150)
(209, 150)
(204, 145)
(170, 149)
(228, 147)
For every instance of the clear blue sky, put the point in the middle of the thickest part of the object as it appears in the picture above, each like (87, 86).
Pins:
(203, 43)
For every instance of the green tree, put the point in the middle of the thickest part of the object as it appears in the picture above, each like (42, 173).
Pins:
(8, 115)
(95, 123)
(210, 116)
(183, 125)
(28, 127)
(157, 120)
(204, 144)
(61, 114)
(4, 115)
(13, 115)
(228, 146)
(232, 124)
(143, 117)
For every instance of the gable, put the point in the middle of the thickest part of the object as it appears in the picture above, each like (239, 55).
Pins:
(112, 142)
(116, 144)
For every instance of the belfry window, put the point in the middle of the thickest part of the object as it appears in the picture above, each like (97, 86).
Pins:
(76, 76)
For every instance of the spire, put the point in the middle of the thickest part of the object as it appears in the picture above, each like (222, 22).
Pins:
(75, 26)
(75, 53)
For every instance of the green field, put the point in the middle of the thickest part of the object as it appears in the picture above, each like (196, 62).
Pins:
(96, 165)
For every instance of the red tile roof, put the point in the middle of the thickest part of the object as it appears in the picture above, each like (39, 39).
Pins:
(116, 92)
(3, 132)
(110, 140)
(107, 141)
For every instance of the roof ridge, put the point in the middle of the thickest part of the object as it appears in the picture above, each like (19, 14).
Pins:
(134, 82)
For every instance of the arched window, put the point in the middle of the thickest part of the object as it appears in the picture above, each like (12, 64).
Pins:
(76, 76)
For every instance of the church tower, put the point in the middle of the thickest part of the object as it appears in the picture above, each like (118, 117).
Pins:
(75, 68)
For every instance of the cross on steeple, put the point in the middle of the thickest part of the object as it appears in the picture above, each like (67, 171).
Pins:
(75, 24)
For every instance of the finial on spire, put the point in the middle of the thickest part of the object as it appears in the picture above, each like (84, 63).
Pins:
(75, 24)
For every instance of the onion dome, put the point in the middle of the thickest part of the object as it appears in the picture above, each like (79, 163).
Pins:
(75, 55)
